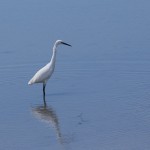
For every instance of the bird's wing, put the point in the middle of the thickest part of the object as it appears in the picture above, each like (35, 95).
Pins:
(42, 75)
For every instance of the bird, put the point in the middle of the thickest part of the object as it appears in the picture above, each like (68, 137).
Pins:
(43, 74)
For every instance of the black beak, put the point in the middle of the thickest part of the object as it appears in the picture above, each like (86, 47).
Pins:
(66, 44)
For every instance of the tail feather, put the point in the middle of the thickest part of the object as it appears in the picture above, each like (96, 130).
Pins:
(30, 82)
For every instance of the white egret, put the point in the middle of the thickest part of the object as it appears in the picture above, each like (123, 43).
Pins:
(45, 73)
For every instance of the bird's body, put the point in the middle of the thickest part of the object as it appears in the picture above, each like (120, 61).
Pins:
(45, 73)
(42, 75)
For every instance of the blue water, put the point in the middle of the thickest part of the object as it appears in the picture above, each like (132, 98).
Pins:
(99, 95)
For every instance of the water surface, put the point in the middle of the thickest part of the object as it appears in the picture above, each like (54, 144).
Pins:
(98, 97)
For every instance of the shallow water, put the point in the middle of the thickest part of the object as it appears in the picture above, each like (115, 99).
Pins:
(98, 97)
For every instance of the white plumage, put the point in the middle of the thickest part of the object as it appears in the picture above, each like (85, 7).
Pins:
(45, 73)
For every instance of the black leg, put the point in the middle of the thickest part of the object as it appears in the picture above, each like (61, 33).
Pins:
(44, 100)
(44, 85)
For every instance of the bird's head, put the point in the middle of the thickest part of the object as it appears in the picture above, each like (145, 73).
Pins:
(58, 42)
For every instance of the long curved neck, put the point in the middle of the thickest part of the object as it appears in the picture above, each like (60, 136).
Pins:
(53, 59)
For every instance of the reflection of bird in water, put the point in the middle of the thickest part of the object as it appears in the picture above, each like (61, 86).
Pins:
(46, 113)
